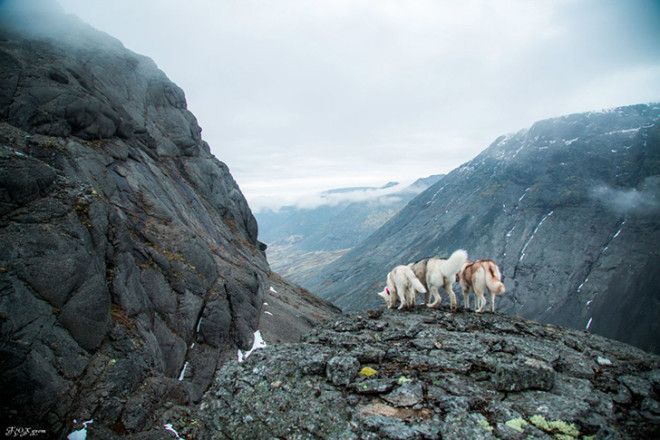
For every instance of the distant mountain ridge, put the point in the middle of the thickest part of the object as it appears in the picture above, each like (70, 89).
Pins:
(302, 240)
(360, 188)
(338, 222)
(569, 209)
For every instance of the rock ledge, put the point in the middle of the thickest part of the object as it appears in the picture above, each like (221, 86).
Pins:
(439, 375)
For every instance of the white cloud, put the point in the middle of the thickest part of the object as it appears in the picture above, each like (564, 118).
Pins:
(642, 201)
(313, 199)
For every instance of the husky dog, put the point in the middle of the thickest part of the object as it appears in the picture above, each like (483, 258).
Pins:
(401, 284)
(419, 269)
(478, 276)
(439, 272)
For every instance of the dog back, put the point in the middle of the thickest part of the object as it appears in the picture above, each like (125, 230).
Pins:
(419, 269)
(489, 266)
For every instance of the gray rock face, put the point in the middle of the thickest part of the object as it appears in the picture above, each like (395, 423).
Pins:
(568, 208)
(529, 374)
(408, 394)
(129, 263)
(444, 375)
(341, 370)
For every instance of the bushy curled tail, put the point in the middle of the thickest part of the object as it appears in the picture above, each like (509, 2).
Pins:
(494, 279)
(417, 285)
(455, 262)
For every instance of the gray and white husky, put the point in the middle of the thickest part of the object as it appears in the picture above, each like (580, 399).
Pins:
(401, 285)
(439, 272)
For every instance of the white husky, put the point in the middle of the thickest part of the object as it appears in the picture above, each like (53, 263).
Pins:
(440, 272)
(401, 284)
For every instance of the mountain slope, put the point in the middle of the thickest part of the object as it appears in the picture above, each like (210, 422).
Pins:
(568, 208)
(129, 268)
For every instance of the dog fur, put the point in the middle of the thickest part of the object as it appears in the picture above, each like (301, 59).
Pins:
(439, 272)
(478, 276)
(419, 269)
(401, 284)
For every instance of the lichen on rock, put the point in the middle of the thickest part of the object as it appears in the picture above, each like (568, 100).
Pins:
(422, 391)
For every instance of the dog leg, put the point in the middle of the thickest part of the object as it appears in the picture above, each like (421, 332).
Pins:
(492, 302)
(452, 296)
(411, 297)
(437, 299)
(481, 301)
(401, 293)
(466, 297)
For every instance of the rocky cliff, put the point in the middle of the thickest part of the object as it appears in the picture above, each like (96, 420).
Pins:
(569, 208)
(428, 374)
(130, 269)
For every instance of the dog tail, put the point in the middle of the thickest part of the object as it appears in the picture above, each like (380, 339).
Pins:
(455, 262)
(417, 285)
(461, 272)
(494, 279)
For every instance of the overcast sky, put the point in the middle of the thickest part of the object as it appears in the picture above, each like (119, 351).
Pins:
(301, 96)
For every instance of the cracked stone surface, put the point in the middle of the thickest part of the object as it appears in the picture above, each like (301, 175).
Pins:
(457, 375)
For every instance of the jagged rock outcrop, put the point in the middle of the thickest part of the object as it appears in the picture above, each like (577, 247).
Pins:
(569, 208)
(429, 374)
(129, 263)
